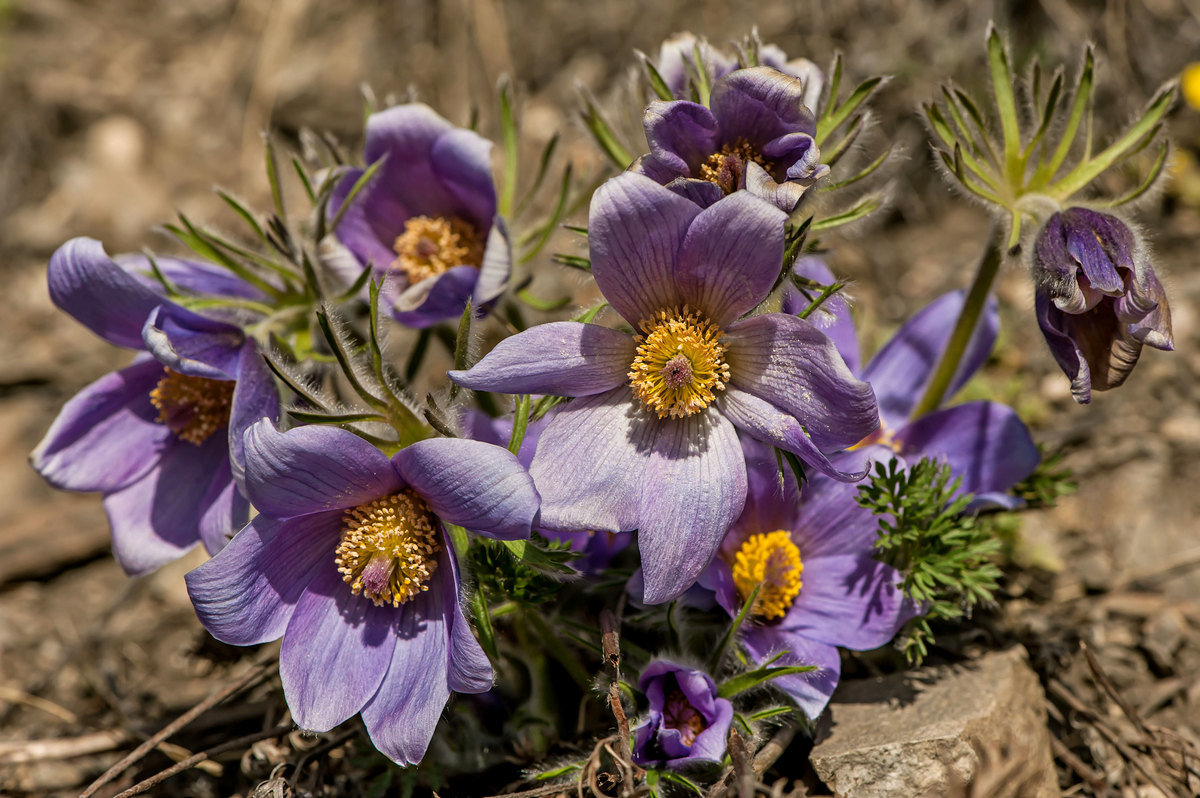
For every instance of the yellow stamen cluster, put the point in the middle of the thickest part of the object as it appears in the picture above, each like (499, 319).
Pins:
(192, 407)
(726, 166)
(770, 562)
(678, 713)
(680, 362)
(431, 245)
(388, 550)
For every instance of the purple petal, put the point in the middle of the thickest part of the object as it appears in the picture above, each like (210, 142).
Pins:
(634, 232)
(468, 668)
(730, 257)
(496, 267)
(107, 435)
(589, 463)
(310, 469)
(900, 370)
(709, 744)
(759, 104)
(336, 649)
(811, 690)
(849, 600)
(832, 317)
(196, 277)
(704, 193)
(190, 344)
(682, 135)
(830, 522)
(254, 397)
(437, 298)
(785, 196)
(223, 510)
(563, 358)
(407, 136)
(462, 160)
(794, 366)
(473, 484)
(370, 227)
(693, 487)
(247, 593)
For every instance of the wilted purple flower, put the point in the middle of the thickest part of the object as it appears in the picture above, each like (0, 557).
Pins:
(650, 444)
(348, 561)
(1098, 300)
(688, 721)
(427, 220)
(984, 443)
(756, 134)
(161, 438)
(810, 554)
(677, 58)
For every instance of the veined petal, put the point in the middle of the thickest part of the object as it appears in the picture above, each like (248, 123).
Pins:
(693, 487)
(811, 691)
(832, 317)
(194, 345)
(681, 134)
(472, 484)
(563, 358)
(407, 136)
(634, 232)
(254, 397)
(370, 226)
(730, 256)
(849, 600)
(314, 468)
(759, 104)
(194, 276)
(99, 294)
(462, 160)
(223, 510)
(496, 267)
(437, 298)
(468, 668)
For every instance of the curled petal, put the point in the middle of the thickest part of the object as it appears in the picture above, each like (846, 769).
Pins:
(681, 134)
(191, 344)
(436, 298)
(760, 104)
(99, 294)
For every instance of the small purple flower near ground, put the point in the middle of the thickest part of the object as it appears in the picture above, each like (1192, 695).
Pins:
(688, 722)
(677, 57)
(350, 564)
(1098, 300)
(650, 443)
(161, 438)
(755, 134)
(427, 220)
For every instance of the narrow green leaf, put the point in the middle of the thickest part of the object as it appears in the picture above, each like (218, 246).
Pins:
(342, 353)
(273, 176)
(357, 286)
(555, 216)
(836, 152)
(1153, 175)
(603, 134)
(544, 305)
(484, 628)
(1079, 104)
(508, 132)
(520, 423)
(826, 292)
(543, 168)
(307, 417)
(358, 186)
(746, 681)
(714, 659)
(835, 82)
(304, 181)
(293, 384)
(864, 173)
(672, 776)
(657, 84)
(866, 206)
(572, 261)
(544, 406)
(462, 344)
(701, 74)
(1006, 104)
(830, 121)
(242, 211)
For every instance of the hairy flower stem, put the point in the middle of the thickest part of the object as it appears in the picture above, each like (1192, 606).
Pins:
(947, 367)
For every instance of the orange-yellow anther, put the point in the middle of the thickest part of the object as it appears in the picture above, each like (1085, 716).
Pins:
(388, 550)
(431, 245)
(770, 562)
(192, 407)
(680, 363)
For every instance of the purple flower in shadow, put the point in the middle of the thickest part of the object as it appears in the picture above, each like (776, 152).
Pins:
(755, 134)
(349, 563)
(677, 58)
(984, 443)
(427, 220)
(688, 722)
(810, 553)
(650, 442)
(1098, 300)
(161, 438)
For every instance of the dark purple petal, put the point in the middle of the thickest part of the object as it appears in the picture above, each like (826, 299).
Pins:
(311, 469)
(563, 358)
(985, 443)
(336, 649)
(246, 594)
(730, 257)
(830, 522)
(107, 435)
(900, 370)
(709, 744)
(849, 600)
(468, 668)
(254, 397)
(196, 277)
(794, 366)
(473, 484)
(759, 104)
(462, 160)
(407, 136)
(99, 294)
(590, 462)
(223, 510)
(1092, 349)
(704, 193)
(194, 345)
(682, 135)
(693, 487)
(634, 233)
(810, 690)
(1153, 329)
(370, 227)
(436, 298)
(832, 317)
(677, 62)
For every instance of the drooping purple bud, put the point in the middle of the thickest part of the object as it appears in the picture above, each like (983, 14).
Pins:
(688, 722)
(1098, 299)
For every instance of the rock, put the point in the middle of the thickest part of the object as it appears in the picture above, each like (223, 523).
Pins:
(934, 731)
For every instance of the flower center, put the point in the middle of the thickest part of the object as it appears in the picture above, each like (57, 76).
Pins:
(431, 245)
(882, 436)
(770, 562)
(678, 713)
(388, 549)
(680, 361)
(192, 407)
(727, 166)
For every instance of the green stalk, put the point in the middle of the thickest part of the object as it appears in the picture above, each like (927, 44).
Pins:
(935, 392)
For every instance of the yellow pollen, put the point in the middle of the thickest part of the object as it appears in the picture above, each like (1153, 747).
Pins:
(883, 436)
(680, 362)
(678, 713)
(192, 407)
(388, 550)
(727, 166)
(431, 245)
(771, 562)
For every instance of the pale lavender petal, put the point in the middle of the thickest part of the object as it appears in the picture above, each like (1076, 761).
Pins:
(693, 487)
(634, 232)
(193, 276)
(336, 649)
(99, 294)
(496, 267)
(730, 257)
(246, 594)
(682, 135)
(785, 196)
(564, 358)
(255, 397)
(832, 317)
(190, 344)
(468, 668)
(107, 435)
(794, 366)
(810, 690)
(314, 468)
(473, 484)
(436, 298)
(710, 744)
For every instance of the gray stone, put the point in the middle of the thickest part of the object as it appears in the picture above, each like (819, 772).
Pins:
(978, 728)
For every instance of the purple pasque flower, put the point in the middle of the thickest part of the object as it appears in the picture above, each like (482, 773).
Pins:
(810, 554)
(349, 562)
(755, 134)
(650, 443)
(1098, 300)
(427, 220)
(677, 58)
(688, 721)
(161, 438)
(985, 443)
